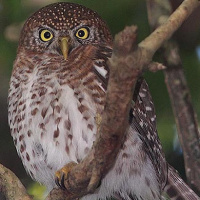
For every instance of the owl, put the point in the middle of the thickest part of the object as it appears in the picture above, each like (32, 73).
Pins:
(57, 91)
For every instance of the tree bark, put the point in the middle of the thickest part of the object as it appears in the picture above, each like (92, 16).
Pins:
(185, 116)
(11, 186)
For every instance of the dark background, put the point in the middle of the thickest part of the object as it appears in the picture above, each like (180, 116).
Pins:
(117, 14)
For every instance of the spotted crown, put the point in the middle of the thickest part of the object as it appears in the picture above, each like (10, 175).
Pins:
(61, 16)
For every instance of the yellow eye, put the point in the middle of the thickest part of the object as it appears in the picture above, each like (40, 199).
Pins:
(82, 33)
(45, 35)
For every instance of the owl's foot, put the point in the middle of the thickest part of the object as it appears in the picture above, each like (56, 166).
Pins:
(62, 173)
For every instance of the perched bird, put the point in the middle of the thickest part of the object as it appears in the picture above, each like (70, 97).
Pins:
(57, 92)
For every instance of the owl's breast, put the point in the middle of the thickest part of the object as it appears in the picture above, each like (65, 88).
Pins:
(50, 120)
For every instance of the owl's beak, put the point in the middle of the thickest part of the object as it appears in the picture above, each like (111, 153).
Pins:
(65, 45)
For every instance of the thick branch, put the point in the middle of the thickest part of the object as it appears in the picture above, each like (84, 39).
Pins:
(11, 186)
(179, 93)
(185, 117)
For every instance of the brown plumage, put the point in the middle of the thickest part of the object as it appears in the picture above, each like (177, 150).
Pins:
(58, 89)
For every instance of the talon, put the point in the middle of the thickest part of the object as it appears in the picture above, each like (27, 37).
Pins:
(62, 182)
(57, 182)
(62, 173)
(99, 184)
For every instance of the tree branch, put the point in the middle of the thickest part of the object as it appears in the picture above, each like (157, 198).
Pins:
(11, 186)
(154, 41)
(185, 116)
(179, 93)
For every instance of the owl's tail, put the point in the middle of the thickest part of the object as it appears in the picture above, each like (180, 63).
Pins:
(176, 188)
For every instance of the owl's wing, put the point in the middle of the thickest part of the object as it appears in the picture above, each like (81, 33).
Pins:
(142, 114)
(143, 120)
(100, 67)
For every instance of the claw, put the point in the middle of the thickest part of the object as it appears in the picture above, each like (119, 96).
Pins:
(57, 182)
(62, 173)
(99, 184)
(62, 182)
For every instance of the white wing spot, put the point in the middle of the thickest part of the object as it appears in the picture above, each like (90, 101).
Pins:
(101, 70)
(141, 123)
(142, 94)
(153, 119)
(148, 108)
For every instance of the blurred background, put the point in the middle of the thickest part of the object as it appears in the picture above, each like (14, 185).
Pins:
(117, 14)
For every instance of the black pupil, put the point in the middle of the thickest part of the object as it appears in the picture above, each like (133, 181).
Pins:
(47, 35)
(81, 33)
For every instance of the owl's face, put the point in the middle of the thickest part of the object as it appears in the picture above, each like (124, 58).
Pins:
(61, 28)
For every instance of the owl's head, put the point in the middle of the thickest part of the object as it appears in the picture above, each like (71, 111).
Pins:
(61, 27)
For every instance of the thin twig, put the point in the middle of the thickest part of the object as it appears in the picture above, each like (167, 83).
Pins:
(154, 41)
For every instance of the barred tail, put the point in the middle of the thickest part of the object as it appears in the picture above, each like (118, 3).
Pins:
(177, 189)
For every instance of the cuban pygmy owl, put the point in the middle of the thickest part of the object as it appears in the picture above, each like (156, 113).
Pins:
(57, 90)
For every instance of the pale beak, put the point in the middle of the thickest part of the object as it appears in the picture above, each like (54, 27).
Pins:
(64, 45)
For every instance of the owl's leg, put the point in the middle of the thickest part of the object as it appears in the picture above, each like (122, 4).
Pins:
(62, 173)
